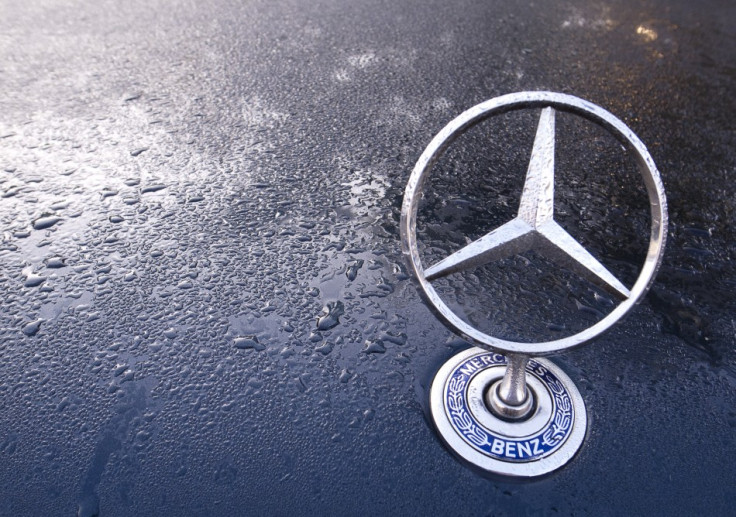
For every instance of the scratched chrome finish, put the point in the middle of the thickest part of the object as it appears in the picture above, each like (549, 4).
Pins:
(534, 227)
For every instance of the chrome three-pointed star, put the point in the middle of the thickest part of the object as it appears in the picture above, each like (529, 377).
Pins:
(534, 227)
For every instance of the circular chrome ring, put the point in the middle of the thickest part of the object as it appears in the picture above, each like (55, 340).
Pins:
(504, 104)
(544, 442)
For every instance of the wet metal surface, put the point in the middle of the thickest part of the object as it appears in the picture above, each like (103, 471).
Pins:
(205, 310)
(531, 229)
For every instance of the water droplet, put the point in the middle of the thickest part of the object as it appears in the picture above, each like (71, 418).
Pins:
(11, 191)
(31, 328)
(34, 280)
(374, 347)
(399, 339)
(352, 269)
(45, 221)
(331, 317)
(131, 96)
(55, 263)
(248, 342)
(154, 187)
(345, 375)
(603, 300)
(324, 348)
(588, 310)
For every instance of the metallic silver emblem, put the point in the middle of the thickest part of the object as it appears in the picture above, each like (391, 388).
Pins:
(491, 409)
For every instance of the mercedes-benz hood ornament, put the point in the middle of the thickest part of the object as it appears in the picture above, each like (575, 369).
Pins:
(495, 405)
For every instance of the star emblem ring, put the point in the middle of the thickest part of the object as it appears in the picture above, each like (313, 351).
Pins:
(534, 227)
(495, 406)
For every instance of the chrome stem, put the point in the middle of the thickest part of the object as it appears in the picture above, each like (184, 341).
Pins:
(510, 398)
(513, 390)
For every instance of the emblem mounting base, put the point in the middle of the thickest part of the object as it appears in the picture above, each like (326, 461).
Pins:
(502, 409)
(544, 441)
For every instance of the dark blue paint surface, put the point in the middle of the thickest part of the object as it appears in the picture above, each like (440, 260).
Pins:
(205, 311)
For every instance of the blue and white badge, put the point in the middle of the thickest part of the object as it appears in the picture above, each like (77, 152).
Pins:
(545, 440)
(548, 438)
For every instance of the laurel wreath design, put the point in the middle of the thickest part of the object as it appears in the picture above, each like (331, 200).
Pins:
(461, 417)
(563, 417)
(476, 435)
